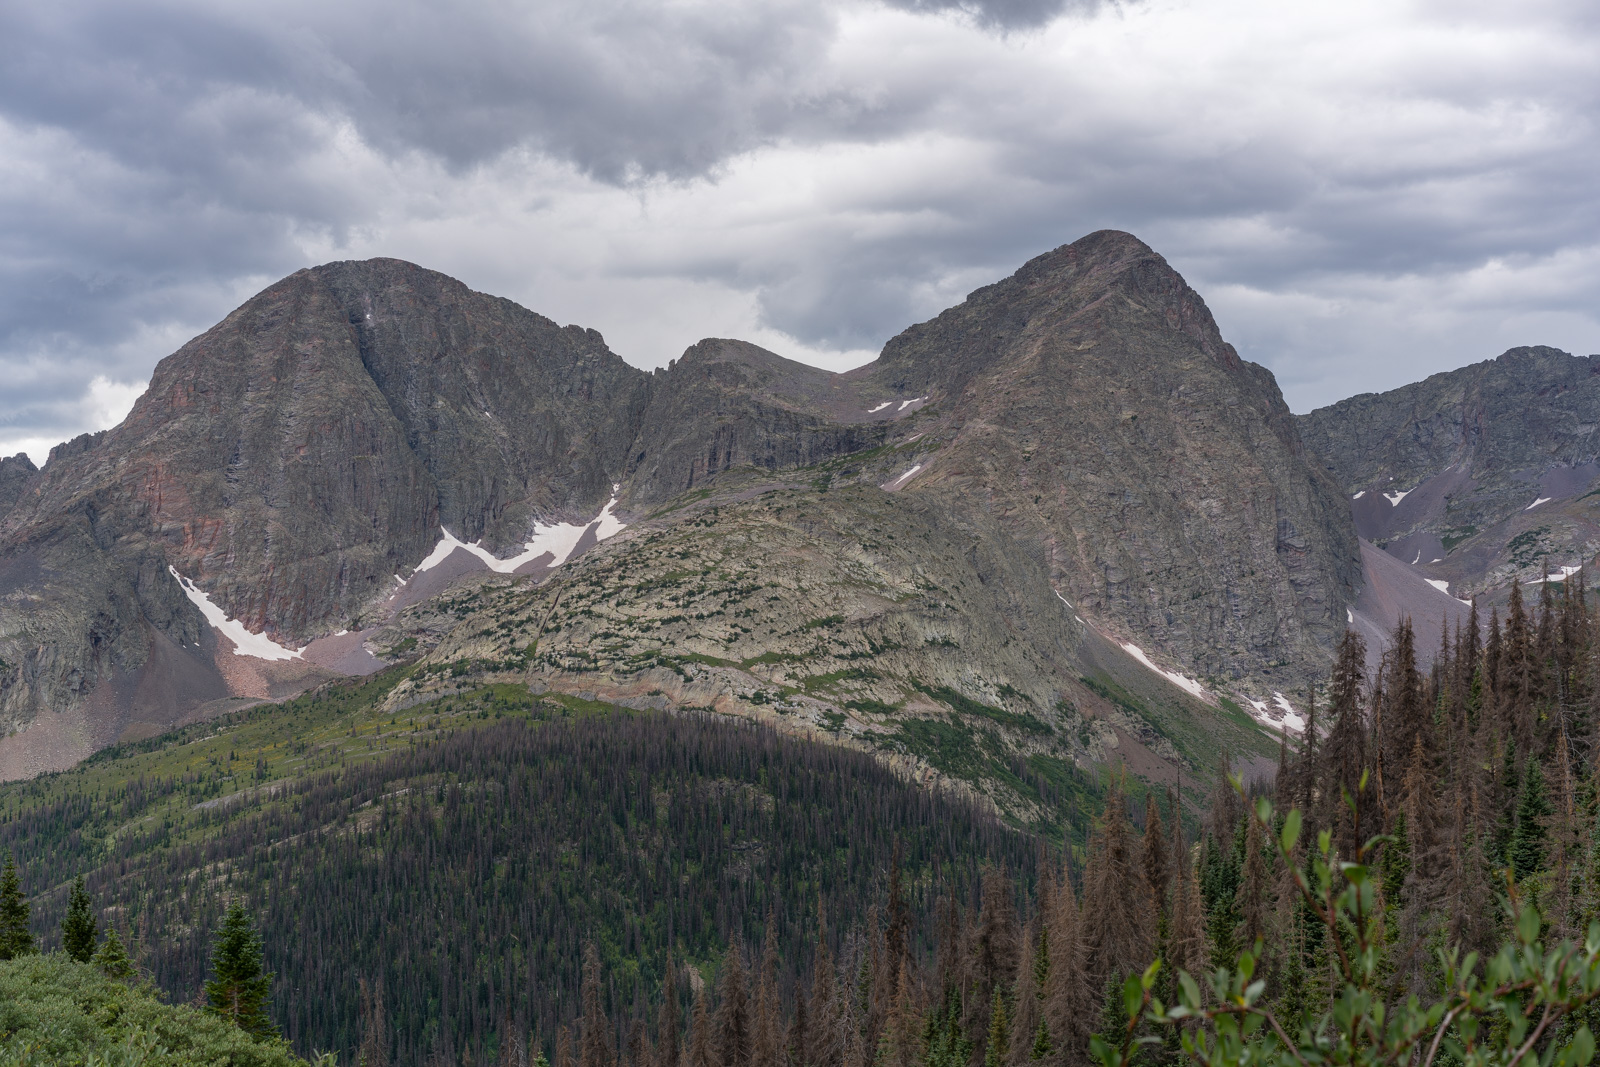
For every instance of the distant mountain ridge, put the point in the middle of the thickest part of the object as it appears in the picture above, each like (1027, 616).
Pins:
(300, 459)
(1474, 476)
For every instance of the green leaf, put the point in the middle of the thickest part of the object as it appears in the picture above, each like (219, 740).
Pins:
(1528, 924)
(1190, 991)
(1132, 995)
(1291, 830)
(1150, 973)
(1581, 1050)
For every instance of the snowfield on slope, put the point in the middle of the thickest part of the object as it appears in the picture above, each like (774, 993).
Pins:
(245, 643)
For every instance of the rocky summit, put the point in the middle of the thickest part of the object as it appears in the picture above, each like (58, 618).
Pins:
(1065, 509)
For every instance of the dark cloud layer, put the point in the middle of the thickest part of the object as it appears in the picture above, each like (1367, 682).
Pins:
(1365, 196)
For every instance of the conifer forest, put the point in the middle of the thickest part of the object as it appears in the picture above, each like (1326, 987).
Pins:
(641, 890)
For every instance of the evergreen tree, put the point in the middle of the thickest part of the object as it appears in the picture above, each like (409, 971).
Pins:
(1344, 753)
(1527, 852)
(1042, 1045)
(112, 959)
(943, 1038)
(1219, 893)
(79, 929)
(239, 986)
(1156, 872)
(16, 937)
(997, 1053)
(1250, 900)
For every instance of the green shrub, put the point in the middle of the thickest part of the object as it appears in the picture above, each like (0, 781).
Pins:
(54, 1010)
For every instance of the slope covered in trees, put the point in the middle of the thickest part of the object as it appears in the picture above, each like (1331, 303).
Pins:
(459, 870)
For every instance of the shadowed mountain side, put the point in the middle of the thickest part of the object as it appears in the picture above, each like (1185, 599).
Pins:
(728, 404)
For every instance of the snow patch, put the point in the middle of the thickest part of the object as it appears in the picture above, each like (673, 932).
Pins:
(880, 407)
(1349, 617)
(1359, 495)
(559, 540)
(1439, 584)
(1395, 498)
(1063, 599)
(1291, 718)
(907, 403)
(245, 643)
(896, 483)
(1558, 576)
(1188, 685)
(1536, 503)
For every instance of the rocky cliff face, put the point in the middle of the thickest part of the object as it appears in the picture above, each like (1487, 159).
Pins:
(292, 461)
(1090, 400)
(1478, 475)
(15, 471)
(298, 458)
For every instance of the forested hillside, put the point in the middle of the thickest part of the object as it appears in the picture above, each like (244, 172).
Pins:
(459, 856)
(511, 876)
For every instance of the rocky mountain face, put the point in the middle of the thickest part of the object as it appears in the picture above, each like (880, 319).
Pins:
(360, 438)
(1090, 401)
(1475, 476)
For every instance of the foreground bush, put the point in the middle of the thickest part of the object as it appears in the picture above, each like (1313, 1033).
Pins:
(54, 1010)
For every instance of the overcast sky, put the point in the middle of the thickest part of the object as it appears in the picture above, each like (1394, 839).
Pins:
(1364, 192)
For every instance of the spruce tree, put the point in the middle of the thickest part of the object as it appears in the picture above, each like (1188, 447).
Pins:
(79, 930)
(112, 959)
(239, 985)
(1250, 898)
(945, 1042)
(998, 1049)
(16, 937)
(1527, 852)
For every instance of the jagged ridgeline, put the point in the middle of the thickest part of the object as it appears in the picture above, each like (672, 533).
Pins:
(461, 852)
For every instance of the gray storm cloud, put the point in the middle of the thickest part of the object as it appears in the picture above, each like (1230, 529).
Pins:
(1364, 195)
